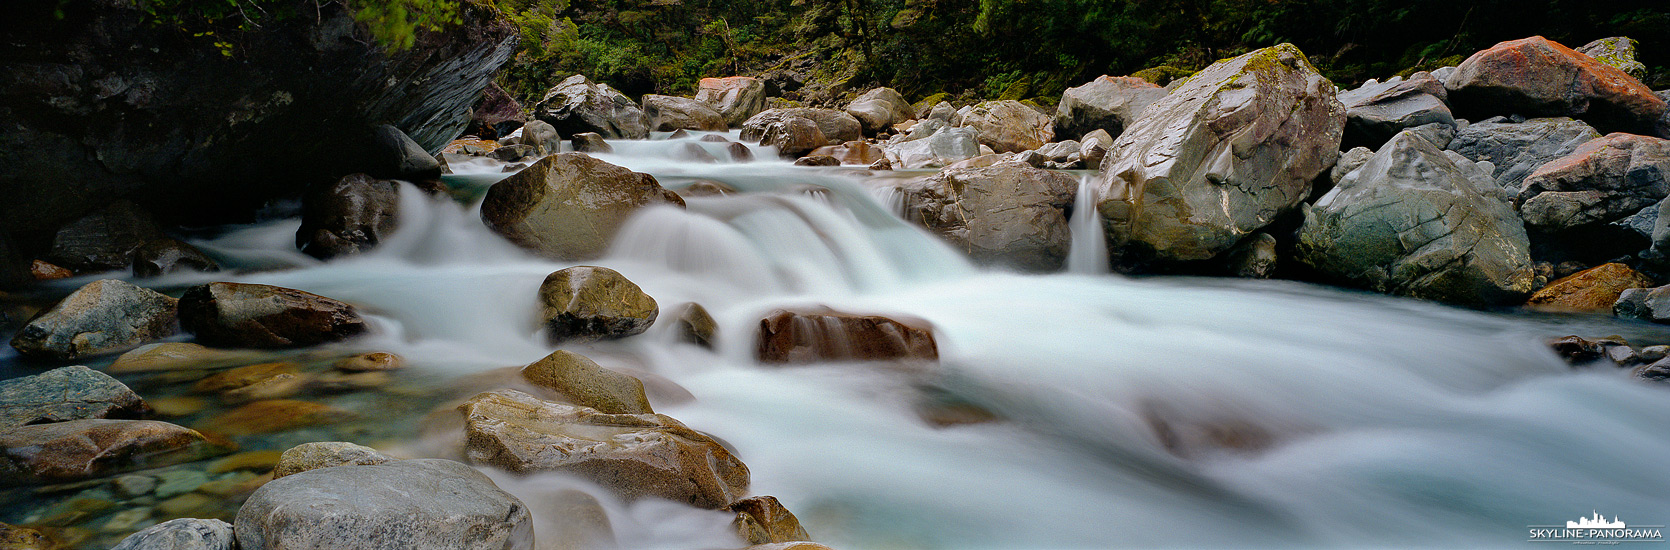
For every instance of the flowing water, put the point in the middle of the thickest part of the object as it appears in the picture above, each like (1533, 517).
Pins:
(1116, 411)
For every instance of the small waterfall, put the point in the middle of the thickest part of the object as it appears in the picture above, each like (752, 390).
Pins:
(1089, 252)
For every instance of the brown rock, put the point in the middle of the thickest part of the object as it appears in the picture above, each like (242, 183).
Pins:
(1008, 213)
(590, 142)
(263, 316)
(669, 113)
(242, 376)
(763, 520)
(168, 356)
(271, 416)
(1537, 77)
(589, 303)
(1009, 126)
(348, 217)
(326, 454)
(812, 336)
(82, 449)
(817, 160)
(163, 256)
(43, 271)
(580, 381)
(696, 326)
(371, 362)
(636, 455)
(736, 98)
(1593, 290)
(13, 537)
(836, 126)
(260, 461)
(568, 206)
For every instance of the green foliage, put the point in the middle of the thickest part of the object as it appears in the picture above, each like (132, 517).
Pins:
(395, 23)
(392, 23)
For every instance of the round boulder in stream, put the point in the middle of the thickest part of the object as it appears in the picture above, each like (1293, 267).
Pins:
(568, 206)
(585, 303)
(420, 503)
(813, 336)
(348, 217)
(262, 316)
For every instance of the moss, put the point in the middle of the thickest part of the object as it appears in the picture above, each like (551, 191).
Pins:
(930, 101)
(1163, 74)
(1017, 89)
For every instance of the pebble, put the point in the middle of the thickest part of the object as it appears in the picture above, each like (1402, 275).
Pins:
(134, 486)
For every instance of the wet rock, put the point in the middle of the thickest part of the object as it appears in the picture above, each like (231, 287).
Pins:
(495, 114)
(1536, 77)
(736, 98)
(668, 113)
(1604, 180)
(793, 137)
(1061, 151)
(13, 537)
(1593, 290)
(1378, 110)
(42, 271)
(568, 206)
(264, 316)
(1093, 147)
(82, 449)
(394, 155)
(853, 152)
(371, 362)
(694, 325)
(422, 503)
(1415, 222)
(1254, 258)
(1578, 351)
(543, 137)
(64, 394)
(571, 519)
(1517, 149)
(1009, 126)
(243, 377)
(817, 160)
(513, 152)
(163, 256)
(691, 152)
(590, 142)
(739, 152)
(581, 382)
(1235, 146)
(175, 356)
(812, 336)
(1006, 214)
(836, 126)
(943, 148)
(764, 520)
(879, 109)
(706, 188)
(1108, 103)
(182, 534)
(880, 165)
(585, 303)
(1646, 304)
(104, 240)
(577, 105)
(635, 455)
(275, 415)
(326, 454)
(1617, 51)
(102, 317)
(258, 461)
(348, 217)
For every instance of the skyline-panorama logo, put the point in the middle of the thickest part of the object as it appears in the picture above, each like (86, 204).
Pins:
(1596, 529)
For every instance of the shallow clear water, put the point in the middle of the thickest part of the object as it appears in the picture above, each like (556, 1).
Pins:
(1129, 412)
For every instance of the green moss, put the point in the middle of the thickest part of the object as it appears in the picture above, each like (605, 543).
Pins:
(1163, 74)
(930, 101)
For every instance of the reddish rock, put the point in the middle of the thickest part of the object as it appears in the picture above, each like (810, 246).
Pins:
(81, 449)
(264, 316)
(43, 271)
(275, 415)
(736, 98)
(1602, 181)
(1593, 290)
(812, 336)
(1539, 77)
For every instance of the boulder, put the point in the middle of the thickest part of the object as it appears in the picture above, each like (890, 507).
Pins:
(690, 151)
(513, 152)
(817, 160)
(542, 137)
(348, 217)
(1645, 304)
(585, 303)
(1009, 126)
(1604, 180)
(104, 240)
(667, 113)
(836, 126)
(1593, 290)
(1349, 162)
(1414, 221)
(1617, 51)
(326, 454)
(577, 105)
(634, 455)
(1517, 149)
(102, 317)
(1254, 258)
(1223, 155)
(568, 206)
(114, 105)
(167, 356)
(64, 394)
(421, 503)
(764, 520)
(1093, 147)
(13, 537)
(496, 114)
(581, 382)
(83, 449)
(163, 256)
(739, 152)
(694, 325)
(736, 98)
(1537, 77)
(879, 109)
(813, 336)
(264, 316)
(793, 136)
(943, 148)
(1108, 103)
(1378, 110)
(1006, 214)
(853, 152)
(589, 142)
(394, 155)
(182, 534)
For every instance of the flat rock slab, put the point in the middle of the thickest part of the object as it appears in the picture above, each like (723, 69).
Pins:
(68, 393)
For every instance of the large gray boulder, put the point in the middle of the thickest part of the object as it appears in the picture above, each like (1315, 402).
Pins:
(420, 503)
(1007, 214)
(348, 217)
(1539, 77)
(1517, 149)
(104, 316)
(182, 534)
(64, 394)
(879, 109)
(939, 149)
(665, 113)
(1009, 126)
(1229, 150)
(568, 206)
(577, 105)
(837, 127)
(1415, 221)
(1604, 180)
(1378, 110)
(736, 98)
(1107, 103)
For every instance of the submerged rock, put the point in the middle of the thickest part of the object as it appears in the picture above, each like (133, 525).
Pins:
(264, 316)
(421, 503)
(582, 382)
(1008, 213)
(102, 317)
(64, 394)
(271, 416)
(1108, 103)
(82, 449)
(1009, 126)
(589, 303)
(326, 454)
(1539, 77)
(635, 455)
(1518, 149)
(736, 98)
(568, 206)
(1223, 155)
(667, 113)
(577, 105)
(167, 356)
(813, 336)
(1413, 222)
(182, 534)
(348, 217)
(1592, 290)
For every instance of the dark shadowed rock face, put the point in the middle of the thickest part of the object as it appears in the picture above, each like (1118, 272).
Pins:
(349, 217)
(263, 316)
(102, 105)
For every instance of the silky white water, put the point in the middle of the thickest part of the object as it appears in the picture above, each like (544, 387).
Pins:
(1361, 420)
